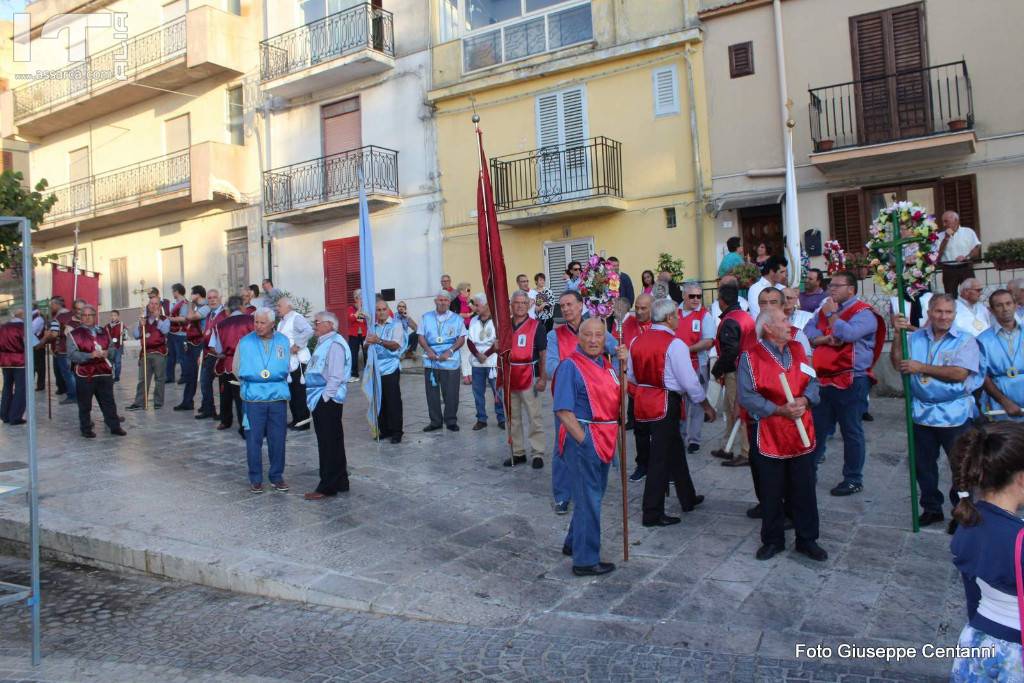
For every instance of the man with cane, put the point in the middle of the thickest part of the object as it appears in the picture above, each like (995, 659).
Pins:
(153, 358)
(776, 388)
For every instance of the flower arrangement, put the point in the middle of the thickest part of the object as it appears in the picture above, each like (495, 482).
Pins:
(1006, 254)
(746, 274)
(835, 257)
(675, 266)
(904, 220)
(599, 286)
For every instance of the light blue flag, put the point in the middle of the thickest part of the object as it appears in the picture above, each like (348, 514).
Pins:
(367, 283)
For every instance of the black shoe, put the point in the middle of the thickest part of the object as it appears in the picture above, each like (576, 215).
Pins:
(59, 393)
(665, 520)
(89, 434)
(787, 525)
(812, 550)
(755, 512)
(479, 425)
(930, 517)
(21, 422)
(396, 439)
(538, 463)
(693, 448)
(594, 570)
(697, 500)
(118, 432)
(567, 551)
(501, 425)
(768, 551)
(629, 426)
(514, 460)
(562, 508)
(68, 401)
(204, 416)
(301, 428)
(431, 428)
(183, 407)
(134, 406)
(950, 529)
(181, 381)
(638, 474)
(845, 488)
(453, 428)
(241, 432)
(867, 417)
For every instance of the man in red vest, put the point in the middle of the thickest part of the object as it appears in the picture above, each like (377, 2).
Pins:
(847, 337)
(660, 367)
(734, 336)
(586, 404)
(697, 330)
(155, 325)
(633, 327)
(12, 360)
(217, 312)
(784, 463)
(224, 340)
(527, 379)
(88, 349)
(115, 330)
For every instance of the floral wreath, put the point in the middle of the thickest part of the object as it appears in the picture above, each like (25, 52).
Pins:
(599, 286)
(906, 219)
(835, 257)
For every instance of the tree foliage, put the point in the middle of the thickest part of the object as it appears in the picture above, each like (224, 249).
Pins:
(18, 200)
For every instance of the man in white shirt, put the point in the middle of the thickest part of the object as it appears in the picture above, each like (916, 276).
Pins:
(298, 330)
(959, 247)
(972, 315)
(479, 366)
(774, 276)
(797, 317)
(524, 284)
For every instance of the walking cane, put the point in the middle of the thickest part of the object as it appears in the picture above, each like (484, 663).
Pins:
(622, 449)
(49, 397)
(144, 362)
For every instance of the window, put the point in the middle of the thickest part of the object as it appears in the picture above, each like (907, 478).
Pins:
(172, 268)
(557, 256)
(341, 276)
(666, 91)
(670, 217)
(563, 163)
(238, 259)
(341, 126)
(741, 59)
(176, 134)
(960, 194)
(235, 115)
(846, 220)
(449, 17)
(235, 7)
(119, 282)
(78, 164)
(521, 28)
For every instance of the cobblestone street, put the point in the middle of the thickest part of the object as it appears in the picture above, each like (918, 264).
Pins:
(437, 531)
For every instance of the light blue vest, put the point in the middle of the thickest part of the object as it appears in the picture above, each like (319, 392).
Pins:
(441, 336)
(997, 359)
(386, 361)
(254, 359)
(315, 379)
(937, 403)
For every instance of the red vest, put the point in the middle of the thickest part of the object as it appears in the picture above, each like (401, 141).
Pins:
(194, 332)
(211, 322)
(66, 320)
(567, 342)
(156, 342)
(229, 332)
(250, 309)
(87, 343)
(690, 329)
(834, 364)
(777, 436)
(12, 345)
(748, 331)
(633, 328)
(176, 312)
(115, 331)
(521, 356)
(603, 395)
(650, 398)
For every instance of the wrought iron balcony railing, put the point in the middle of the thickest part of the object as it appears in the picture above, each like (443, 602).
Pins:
(121, 62)
(329, 179)
(362, 27)
(899, 106)
(133, 183)
(558, 173)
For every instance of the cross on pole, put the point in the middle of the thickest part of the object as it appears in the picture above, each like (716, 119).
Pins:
(897, 245)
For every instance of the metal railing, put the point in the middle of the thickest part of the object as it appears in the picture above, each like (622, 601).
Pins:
(900, 106)
(122, 62)
(331, 178)
(558, 173)
(362, 27)
(139, 181)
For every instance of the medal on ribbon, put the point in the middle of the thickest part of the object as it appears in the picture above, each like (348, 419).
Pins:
(264, 373)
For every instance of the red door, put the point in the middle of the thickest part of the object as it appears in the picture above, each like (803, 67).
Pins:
(341, 277)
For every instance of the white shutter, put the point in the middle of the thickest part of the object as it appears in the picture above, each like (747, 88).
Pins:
(548, 125)
(557, 256)
(580, 251)
(666, 91)
(562, 164)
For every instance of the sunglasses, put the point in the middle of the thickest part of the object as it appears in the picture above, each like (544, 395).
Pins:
(693, 296)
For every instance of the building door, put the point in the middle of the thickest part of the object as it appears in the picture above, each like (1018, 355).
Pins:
(562, 162)
(238, 259)
(557, 256)
(342, 132)
(884, 44)
(762, 224)
(119, 283)
(341, 277)
(80, 187)
(172, 269)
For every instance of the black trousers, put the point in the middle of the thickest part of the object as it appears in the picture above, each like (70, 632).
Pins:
(641, 435)
(39, 359)
(786, 485)
(230, 394)
(390, 418)
(953, 275)
(355, 345)
(667, 463)
(102, 388)
(330, 443)
(297, 392)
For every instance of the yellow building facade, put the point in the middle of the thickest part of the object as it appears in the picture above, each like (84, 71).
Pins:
(590, 126)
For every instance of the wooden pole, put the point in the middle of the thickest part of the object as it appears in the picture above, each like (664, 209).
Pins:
(49, 396)
(622, 450)
(804, 439)
(144, 361)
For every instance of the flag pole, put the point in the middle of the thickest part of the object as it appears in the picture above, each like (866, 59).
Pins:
(622, 450)
(74, 269)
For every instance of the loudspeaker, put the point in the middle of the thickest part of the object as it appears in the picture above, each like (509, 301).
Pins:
(812, 242)
(388, 294)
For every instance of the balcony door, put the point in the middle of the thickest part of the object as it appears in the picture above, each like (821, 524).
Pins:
(342, 128)
(173, 171)
(172, 269)
(79, 194)
(341, 277)
(563, 166)
(238, 259)
(890, 55)
(558, 255)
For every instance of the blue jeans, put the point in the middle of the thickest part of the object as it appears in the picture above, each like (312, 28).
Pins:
(61, 361)
(266, 419)
(480, 383)
(190, 371)
(589, 479)
(175, 355)
(844, 407)
(115, 360)
(12, 403)
(561, 477)
(927, 441)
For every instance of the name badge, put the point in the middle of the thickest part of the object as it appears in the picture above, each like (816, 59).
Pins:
(978, 325)
(280, 352)
(696, 326)
(808, 370)
(522, 341)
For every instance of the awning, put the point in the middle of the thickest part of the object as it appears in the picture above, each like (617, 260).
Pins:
(742, 200)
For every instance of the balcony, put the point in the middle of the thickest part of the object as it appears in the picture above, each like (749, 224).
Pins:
(340, 48)
(560, 181)
(203, 173)
(914, 116)
(201, 44)
(328, 187)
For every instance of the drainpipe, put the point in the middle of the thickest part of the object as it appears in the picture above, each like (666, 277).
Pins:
(698, 170)
(263, 152)
(791, 219)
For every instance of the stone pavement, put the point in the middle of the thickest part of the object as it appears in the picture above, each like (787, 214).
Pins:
(436, 529)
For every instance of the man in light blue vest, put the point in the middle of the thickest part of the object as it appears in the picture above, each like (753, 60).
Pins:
(388, 336)
(442, 334)
(943, 365)
(1002, 358)
(261, 364)
(326, 389)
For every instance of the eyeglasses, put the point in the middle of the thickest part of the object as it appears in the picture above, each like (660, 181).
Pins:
(321, 322)
(693, 296)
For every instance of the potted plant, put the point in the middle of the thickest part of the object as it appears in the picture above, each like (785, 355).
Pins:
(671, 265)
(746, 273)
(826, 145)
(957, 124)
(1007, 254)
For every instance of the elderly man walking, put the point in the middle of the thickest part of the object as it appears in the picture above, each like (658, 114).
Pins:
(294, 326)
(442, 334)
(527, 378)
(326, 389)
(261, 364)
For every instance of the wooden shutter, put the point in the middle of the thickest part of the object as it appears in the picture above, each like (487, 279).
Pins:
(741, 59)
(8, 161)
(341, 277)
(342, 126)
(910, 55)
(666, 91)
(960, 194)
(846, 220)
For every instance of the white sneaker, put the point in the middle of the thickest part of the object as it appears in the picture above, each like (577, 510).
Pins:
(352, 380)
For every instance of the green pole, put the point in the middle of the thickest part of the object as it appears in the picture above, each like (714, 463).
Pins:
(907, 400)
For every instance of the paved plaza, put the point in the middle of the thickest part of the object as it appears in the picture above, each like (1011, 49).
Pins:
(436, 530)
